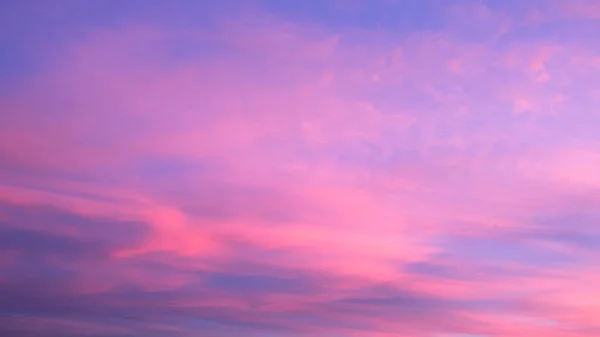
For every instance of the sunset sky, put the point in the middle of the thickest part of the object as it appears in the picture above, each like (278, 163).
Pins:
(300, 168)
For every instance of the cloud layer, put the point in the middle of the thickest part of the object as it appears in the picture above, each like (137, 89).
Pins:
(271, 168)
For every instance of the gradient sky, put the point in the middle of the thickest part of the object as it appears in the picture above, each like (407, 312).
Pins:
(291, 168)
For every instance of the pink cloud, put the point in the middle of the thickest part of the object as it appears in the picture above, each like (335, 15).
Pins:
(283, 175)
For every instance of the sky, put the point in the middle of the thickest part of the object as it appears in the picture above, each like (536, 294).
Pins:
(287, 168)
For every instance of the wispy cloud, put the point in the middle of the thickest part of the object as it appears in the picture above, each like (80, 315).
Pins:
(330, 168)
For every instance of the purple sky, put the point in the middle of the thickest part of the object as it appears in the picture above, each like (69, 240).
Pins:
(291, 168)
